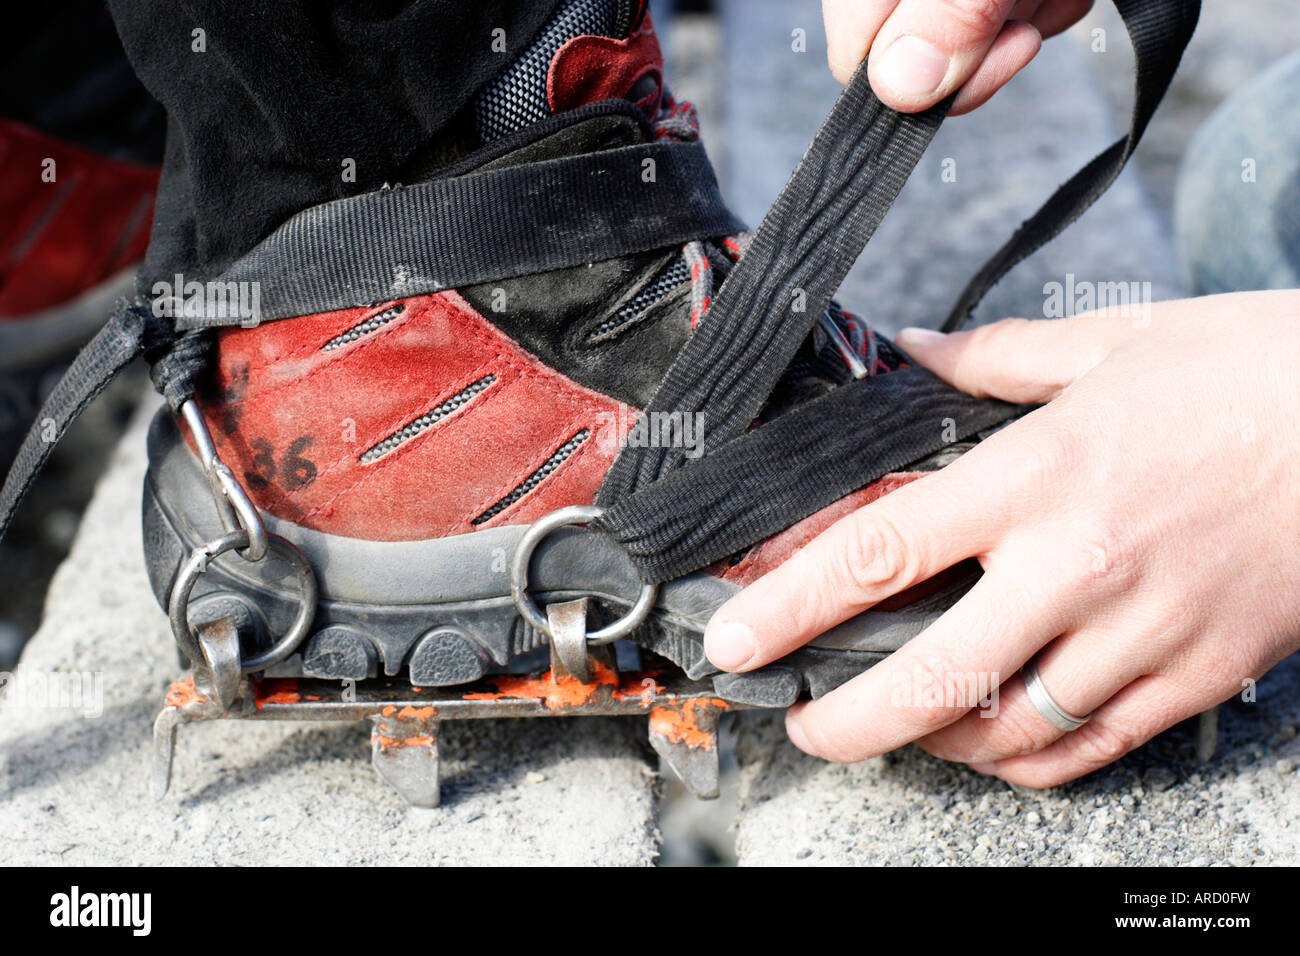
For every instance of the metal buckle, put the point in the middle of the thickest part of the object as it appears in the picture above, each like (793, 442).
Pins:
(236, 509)
(536, 533)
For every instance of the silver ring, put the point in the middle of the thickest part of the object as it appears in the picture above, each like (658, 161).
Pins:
(573, 515)
(1052, 712)
(187, 575)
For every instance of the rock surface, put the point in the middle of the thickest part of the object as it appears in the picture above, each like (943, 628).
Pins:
(1157, 807)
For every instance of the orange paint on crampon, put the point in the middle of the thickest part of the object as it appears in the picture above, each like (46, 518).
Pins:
(182, 693)
(554, 694)
(414, 713)
(680, 723)
(276, 690)
(390, 743)
(640, 687)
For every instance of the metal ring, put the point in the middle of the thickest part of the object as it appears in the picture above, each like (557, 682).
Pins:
(1052, 712)
(178, 599)
(537, 531)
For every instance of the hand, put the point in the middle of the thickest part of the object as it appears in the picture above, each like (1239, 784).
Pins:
(1141, 529)
(922, 50)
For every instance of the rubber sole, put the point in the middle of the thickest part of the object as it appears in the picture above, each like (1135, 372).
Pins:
(440, 610)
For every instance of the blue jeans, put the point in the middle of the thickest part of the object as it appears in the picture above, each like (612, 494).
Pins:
(1237, 210)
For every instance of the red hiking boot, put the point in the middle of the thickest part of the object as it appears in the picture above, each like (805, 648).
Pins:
(556, 374)
(407, 445)
(73, 229)
(435, 381)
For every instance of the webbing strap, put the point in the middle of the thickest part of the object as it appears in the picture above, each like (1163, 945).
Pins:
(763, 481)
(827, 212)
(837, 196)
(110, 351)
(1160, 31)
(481, 227)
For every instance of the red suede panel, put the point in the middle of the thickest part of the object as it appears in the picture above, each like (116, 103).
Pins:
(281, 397)
(587, 69)
(61, 238)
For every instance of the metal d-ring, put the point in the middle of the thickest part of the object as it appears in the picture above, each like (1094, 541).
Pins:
(188, 574)
(536, 533)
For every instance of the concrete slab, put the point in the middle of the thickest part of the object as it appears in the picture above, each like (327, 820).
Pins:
(75, 788)
(1157, 806)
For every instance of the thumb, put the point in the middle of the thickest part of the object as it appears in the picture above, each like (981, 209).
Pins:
(1015, 360)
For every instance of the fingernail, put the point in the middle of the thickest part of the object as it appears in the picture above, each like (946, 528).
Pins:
(729, 645)
(911, 338)
(984, 768)
(912, 66)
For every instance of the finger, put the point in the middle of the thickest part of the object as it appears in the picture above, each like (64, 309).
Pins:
(1080, 671)
(929, 48)
(1056, 16)
(898, 540)
(1016, 45)
(851, 25)
(1129, 719)
(935, 678)
(1025, 9)
(903, 538)
(1016, 360)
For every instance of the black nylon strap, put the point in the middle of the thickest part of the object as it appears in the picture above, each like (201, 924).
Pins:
(765, 480)
(803, 249)
(110, 351)
(669, 513)
(1160, 31)
(482, 227)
